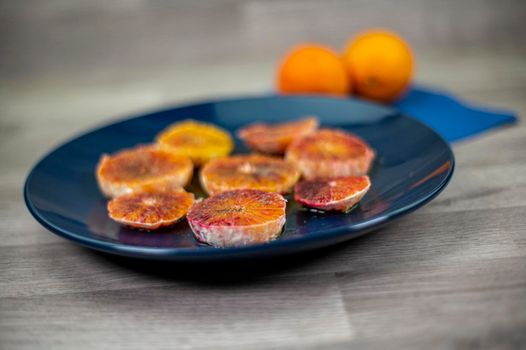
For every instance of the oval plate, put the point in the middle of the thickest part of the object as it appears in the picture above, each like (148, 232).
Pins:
(413, 165)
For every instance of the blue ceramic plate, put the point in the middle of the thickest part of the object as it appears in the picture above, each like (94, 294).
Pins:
(413, 165)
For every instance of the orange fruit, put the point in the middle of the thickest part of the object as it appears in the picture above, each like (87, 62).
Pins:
(150, 210)
(274, 138)
(140, 168)
(238, 218)
(312, 69)
(330, 153)
(340, 193)
(254, 171)
(380, 65)
(197, 140)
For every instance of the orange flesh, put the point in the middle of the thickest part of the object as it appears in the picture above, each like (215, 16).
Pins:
(238, 208)
(142, 163)
(324, 191)
(274, 138)
(150, 210)
(197, 140)
(327, 144)
(249, 172)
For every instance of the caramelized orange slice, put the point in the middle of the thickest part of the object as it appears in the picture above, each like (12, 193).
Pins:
(238, 218)
(150, 210)
(141, 168)
(340, 193)
(255, 171)
(331, 153)
(199, 141)
(275, 138)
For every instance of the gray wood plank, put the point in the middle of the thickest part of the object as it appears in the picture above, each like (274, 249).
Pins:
(180, 316)
(432, 301)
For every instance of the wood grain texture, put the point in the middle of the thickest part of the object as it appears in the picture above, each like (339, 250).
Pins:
(452, 275)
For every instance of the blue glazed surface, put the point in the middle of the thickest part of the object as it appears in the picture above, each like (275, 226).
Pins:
(413, 165)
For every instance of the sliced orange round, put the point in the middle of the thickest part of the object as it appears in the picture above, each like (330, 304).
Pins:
(275, 138)
(238, 218)
(330, 153)
(197, 140)
(340, 193)
(254, 171)
(140, 168)
(150, 210)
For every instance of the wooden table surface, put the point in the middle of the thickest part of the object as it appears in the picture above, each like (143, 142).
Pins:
(450, 275)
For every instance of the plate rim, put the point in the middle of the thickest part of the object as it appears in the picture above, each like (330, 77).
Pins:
(206, 253)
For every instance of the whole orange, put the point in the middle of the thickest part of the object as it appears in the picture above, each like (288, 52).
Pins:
(312, 69)
(380, 65)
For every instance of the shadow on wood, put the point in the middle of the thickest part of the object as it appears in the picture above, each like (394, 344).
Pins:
(231, 272)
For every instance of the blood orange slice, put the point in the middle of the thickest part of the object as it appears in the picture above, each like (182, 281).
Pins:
(275, 138)
(238, 218)
(254, 171)
(340, 193)
(150, 210)
(140, 168)
(330, 153)
(199, 141)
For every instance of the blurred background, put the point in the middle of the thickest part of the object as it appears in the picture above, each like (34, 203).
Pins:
(68, 64)
(90, 60)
